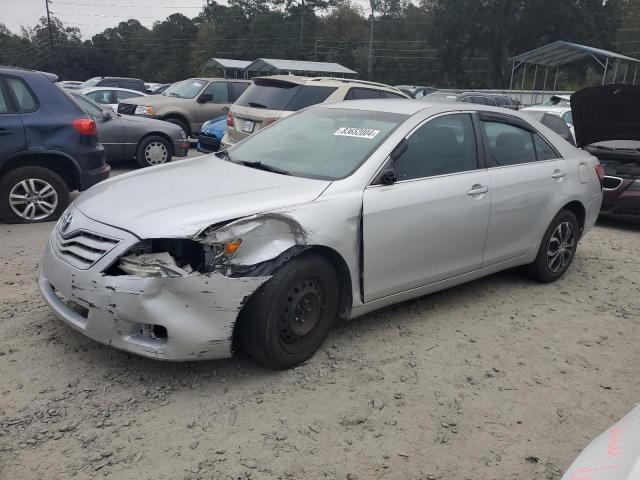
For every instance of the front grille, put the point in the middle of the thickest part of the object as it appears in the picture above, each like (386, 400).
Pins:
(126, 108)
(611, 183)
(82, 248)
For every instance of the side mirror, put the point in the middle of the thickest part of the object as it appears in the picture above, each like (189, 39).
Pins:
(106, 115)
(388, 177)
(205, 98)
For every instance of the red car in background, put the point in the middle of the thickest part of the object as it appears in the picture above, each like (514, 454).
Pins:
(607, 124)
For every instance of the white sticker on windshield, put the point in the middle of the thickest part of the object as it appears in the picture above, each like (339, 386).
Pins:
(357, 132)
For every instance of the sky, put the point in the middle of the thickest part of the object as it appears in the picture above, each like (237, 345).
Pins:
(93, 16)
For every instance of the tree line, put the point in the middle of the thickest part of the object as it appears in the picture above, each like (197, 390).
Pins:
(446, 43)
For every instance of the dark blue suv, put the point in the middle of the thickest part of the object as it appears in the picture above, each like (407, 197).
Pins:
(48, 147)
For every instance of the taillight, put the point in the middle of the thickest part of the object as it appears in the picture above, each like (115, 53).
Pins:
(230, 121)
(85, 126)
(600, 172)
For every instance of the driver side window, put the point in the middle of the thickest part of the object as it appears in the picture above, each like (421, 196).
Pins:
(218, 91)
(443, 145)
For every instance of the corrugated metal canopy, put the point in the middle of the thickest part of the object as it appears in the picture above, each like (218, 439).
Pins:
(561, 52)
(227, 63)
(280, 65)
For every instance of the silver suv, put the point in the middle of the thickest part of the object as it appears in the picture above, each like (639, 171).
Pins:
(270, 98)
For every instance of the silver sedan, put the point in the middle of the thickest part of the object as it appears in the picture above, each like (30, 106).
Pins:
(331, 213)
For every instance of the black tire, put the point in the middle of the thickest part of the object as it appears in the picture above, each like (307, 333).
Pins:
(269, 329)
(11, 182)
(548, 267)
(157, 143)
(183, 125)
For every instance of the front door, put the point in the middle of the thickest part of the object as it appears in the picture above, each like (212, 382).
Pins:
(217, 106)
(431, 223)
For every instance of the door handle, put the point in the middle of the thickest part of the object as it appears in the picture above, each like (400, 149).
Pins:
(558, 174)
(478, 190)
(4, 131)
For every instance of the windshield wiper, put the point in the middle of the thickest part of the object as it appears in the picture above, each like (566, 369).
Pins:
(263, 166)
(224, 155)
(173, 94)
(257, 105)
(601, 147)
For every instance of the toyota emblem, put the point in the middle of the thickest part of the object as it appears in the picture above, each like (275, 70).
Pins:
(66, 222)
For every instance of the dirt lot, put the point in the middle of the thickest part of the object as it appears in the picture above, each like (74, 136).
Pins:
(500, 378)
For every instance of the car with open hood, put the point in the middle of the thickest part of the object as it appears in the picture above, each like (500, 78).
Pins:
(607, 125)
(332, 212)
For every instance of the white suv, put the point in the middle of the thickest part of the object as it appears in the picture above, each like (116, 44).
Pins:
(270, 98)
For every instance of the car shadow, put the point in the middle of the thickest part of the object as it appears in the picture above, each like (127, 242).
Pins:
(627, 225)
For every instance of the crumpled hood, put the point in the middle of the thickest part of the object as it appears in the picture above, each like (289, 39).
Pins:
(613, 455)
(607, 112)
(182, 198)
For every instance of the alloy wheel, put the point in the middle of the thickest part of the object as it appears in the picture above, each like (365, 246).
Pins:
(33, 199)
(561, 246)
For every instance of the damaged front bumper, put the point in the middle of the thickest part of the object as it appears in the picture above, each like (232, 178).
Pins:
(167, 318)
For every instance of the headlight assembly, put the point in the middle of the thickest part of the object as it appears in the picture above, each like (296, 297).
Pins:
(144, 110)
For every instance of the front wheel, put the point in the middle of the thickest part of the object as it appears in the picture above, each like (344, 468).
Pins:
(557, 249)
(287, 319)
(153, 150)
(32, 194)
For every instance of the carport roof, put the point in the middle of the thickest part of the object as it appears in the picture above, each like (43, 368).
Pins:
(227, 63)
(280, 65)
(561, 52)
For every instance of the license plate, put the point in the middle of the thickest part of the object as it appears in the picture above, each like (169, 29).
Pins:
(248, 126)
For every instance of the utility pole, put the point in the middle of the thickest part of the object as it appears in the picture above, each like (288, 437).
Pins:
(370, 65)
(301, 22)
(46, 3)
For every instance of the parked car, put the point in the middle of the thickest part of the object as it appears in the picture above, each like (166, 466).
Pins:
(211, 134)
(188, 103)
(607, 125)
(118, 82)
(48, 147)
(157, 89)
(110, 96)
(505, 101)
(561, 109)
(478, 98)
(415, 91)
(555, 123)
(271, 98)
(70, 84)
(334, 211)
(148, 141)
(613, 455)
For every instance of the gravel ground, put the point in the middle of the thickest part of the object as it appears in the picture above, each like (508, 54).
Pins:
(500, 378)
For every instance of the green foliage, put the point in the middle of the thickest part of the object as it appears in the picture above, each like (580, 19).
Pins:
(448, 43)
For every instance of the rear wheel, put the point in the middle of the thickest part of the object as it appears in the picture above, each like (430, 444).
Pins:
(32, 194)
(557, 249)
(153, 150)
(287, 319)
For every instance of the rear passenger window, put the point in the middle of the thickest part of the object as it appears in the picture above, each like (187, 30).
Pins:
(120, 95)
(385, 94)
(4, 103)
(108, 83)
(131, 85)
(443, 145)
(543, 149)
(362, 94)
(26, 102)
(237, 89)
(508, 144)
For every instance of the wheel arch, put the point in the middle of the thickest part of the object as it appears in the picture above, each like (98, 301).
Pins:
(58, 162)
(178, 116)
(578, 209)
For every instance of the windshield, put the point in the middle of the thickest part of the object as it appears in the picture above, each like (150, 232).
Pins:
(91, 82)
(325, 143)
(185, 89)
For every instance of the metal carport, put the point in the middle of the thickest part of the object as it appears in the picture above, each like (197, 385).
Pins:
(274, 66)
(559, 53)
(228, 65)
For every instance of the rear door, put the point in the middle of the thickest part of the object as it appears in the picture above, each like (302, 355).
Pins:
(528, 178)
(12, 139)
(431, 223)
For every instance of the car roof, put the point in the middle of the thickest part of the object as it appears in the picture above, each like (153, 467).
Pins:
(548, 109)
(331, 82)
(93, 89)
